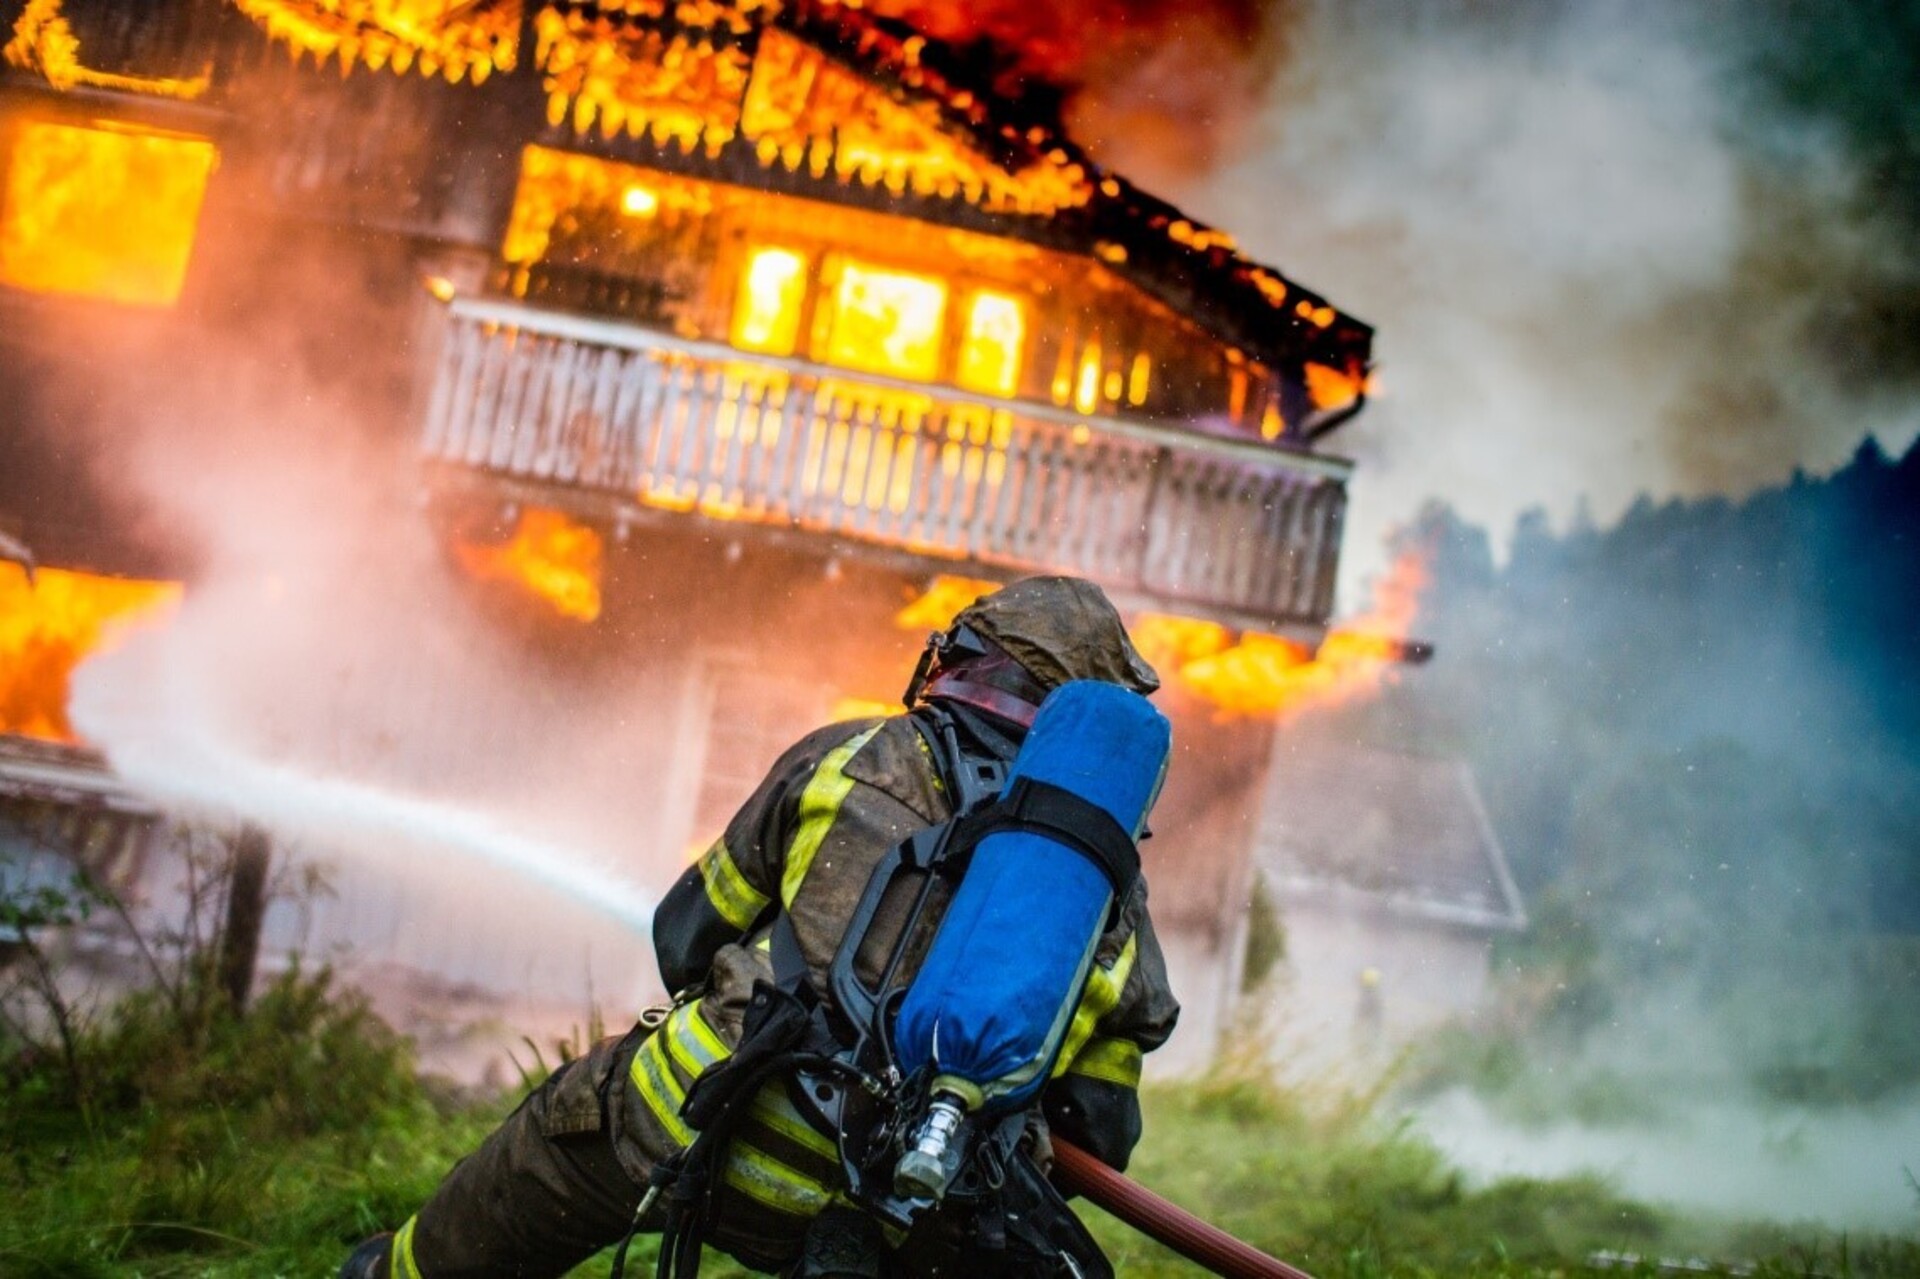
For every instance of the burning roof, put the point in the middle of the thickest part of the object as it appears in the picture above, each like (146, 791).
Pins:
(819, 96)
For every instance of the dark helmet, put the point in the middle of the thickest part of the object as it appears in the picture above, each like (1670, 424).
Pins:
(1027, 639)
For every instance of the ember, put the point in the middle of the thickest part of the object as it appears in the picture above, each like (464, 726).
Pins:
(103, 211)
(52, 624)
(548, 555)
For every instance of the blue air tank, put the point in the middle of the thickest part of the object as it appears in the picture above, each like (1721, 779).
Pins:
(993, 1000)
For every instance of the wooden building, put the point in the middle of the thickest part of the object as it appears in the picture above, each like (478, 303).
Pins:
(777, 291)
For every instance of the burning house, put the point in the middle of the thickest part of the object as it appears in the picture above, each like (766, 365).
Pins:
(708, 335)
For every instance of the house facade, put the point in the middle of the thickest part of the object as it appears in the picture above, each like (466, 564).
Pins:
(733, 324)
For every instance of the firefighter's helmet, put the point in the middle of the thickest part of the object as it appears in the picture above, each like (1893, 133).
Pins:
(1030, 637)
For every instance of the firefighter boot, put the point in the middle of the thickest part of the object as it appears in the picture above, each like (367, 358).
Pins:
(371, 1260)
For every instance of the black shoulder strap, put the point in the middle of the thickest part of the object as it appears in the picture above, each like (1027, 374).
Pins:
(789, 964)
(972, 778)
(1066, 818)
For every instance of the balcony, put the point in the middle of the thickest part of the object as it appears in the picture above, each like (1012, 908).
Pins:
(613, 420)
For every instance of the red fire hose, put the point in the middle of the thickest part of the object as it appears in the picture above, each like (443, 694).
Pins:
(1077, 1172)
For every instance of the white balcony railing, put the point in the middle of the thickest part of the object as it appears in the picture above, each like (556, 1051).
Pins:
(586, 404)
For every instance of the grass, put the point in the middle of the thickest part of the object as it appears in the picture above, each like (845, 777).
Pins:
(268, 1145)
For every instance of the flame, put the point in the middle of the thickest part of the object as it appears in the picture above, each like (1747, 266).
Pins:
(1330, 388)
(847, 708)
(942, 602)
(990, 352)
(1269, 676)
(803, 107)
(766, 314)
(549, 555)
(888, 322)
(1252, 674)
(458, 39)
(44, 42)
(961, 309)
(1170, 642)
(52, 624)
(103, 210)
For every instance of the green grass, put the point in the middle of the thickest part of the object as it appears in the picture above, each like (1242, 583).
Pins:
(1324, 1182)
(267, 1146)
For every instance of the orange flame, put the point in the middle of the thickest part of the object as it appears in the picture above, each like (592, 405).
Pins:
(935, 610)
(456, 39)
(103, 210)
(846, 708)
(51, 625)
(1253, 675)
(1331, 388)
(549, 555)
(43, 41)
(1271, 677)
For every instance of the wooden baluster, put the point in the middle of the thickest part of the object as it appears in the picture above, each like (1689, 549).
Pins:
(526, 373)
(463, 377)
(666, 407)
(566, 377)
(796, 411)
(622, 464)
(493, 374)
(446, 367)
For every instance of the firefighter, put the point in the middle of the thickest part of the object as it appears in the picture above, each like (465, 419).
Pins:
(563, 1177)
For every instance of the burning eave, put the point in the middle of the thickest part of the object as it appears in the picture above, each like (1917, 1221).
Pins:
(625, 82)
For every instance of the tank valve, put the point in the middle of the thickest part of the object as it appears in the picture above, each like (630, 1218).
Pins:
(928, 1167)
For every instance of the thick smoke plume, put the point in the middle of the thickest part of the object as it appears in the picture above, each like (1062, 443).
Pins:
(1619, 251)
(1611, 248)
(1172, 86)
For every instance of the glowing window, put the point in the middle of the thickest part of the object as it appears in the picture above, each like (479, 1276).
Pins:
(886, 322)
(990, 357)
(102, 212)
(1137, 380)
(1086, 392)
(766, 314)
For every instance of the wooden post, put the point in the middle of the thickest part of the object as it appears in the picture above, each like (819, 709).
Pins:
(246, 910)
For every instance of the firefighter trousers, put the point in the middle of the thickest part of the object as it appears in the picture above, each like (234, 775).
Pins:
(547, 1190)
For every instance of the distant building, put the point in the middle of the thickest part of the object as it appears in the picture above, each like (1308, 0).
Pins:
(1390, 886)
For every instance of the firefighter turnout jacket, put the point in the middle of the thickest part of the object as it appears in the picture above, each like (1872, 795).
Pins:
(806, 843)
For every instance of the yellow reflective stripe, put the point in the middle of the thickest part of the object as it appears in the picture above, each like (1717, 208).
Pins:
(401, 1260)
(686, 1042)
(1115, 1061)
(1101, 997)
(772, 1108)
(737, 901)
(691, 1043)
(820, 803)
(653, 1077)
(763, 1178)
(712, 1046)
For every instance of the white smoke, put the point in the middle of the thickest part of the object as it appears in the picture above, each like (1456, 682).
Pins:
(1846, 1169)
(1549, 213)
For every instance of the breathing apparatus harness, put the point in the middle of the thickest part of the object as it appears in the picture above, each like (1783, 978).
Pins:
(903, 1147)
